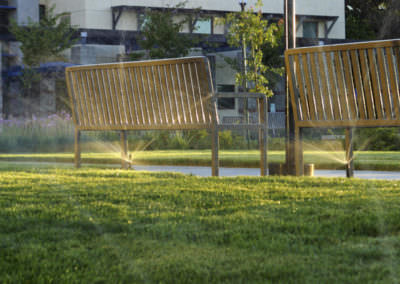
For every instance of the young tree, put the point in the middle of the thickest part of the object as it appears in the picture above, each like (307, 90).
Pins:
(45, 40)
(161, 33)
(248, 28)
(41, 42)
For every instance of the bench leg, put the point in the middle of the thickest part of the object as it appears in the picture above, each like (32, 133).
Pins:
(263, 152)
(124, 149)
(77, 148)
(349, 153)
(263, 136)
(298, 152)
(214, 152)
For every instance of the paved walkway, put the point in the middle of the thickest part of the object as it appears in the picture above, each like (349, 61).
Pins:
(206, 171)
(227, 172)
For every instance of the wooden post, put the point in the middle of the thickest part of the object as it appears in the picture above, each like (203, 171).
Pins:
(77, 148)
(298, 152)
(290, 42)
(124, 149)
(214, 152)
(214, 140)
(263, 135)
(349, 152)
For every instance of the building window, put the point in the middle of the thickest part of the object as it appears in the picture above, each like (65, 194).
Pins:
(203, 26)
(142, 20)
(42, 11)
(310, 29)
(226, 103)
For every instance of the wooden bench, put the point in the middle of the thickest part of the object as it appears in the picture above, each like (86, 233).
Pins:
(170, 94)
(344, 86)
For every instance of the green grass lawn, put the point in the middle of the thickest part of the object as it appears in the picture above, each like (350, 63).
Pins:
(366, 160)
(93, 225)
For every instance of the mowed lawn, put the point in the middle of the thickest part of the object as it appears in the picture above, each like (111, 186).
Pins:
(364, 160)
(95, 225)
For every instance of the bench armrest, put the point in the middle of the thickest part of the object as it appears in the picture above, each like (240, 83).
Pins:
(239, 95)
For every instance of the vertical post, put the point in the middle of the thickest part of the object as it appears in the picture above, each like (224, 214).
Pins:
(214, 139)
(246, 114)
(124, 149)
(77, 148)
(290, 42)
(1, 87)
(349, 153)
(298, 152)
(263, 134)
(214, 152)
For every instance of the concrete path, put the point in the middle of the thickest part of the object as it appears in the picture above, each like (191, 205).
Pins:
(206, 171)
(228, 172)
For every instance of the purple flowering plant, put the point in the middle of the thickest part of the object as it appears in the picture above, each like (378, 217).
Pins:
(35, 133)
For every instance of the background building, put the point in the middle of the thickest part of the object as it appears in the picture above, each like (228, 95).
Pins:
(110, 29)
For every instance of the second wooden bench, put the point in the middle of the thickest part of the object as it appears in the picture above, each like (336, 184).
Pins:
(344, 86)
(170, 94)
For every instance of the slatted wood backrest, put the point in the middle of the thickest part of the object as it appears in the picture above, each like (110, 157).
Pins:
(153, 94)
(345, 85)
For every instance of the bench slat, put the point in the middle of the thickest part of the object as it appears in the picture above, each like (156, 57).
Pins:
(122, 106)
(397, 62)
(177, 88)
(200, 96)
(73, 99)
(138, 93)
(116, 97)
(317, 93)
(359, 91)
(155, 98)
(304, 113)
(144, 94)
(170, 106)
(351, 94)
(109, 95)
(366, 83)
(173, 92)
(93, 89)
(82, 99)
(148, 96)
(96, 91)
(327, 102)
(333, 88)
(393, 82)
(310, 97)
(206, 92)
(343, 94)
(189, 91)
(192, 86)
(127, 96)
(185, 95)
(87, 102)
(377, 95)
(161, 93)
(383, 75)
(294, 99)
(106, 114)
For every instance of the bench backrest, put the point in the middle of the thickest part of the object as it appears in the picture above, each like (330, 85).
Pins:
(345, 85)
(153, 94)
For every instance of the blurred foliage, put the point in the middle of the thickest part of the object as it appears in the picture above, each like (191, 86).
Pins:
(372, 19)
(46, 40)
(161, 31)
(248, 29)
(377, 139)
